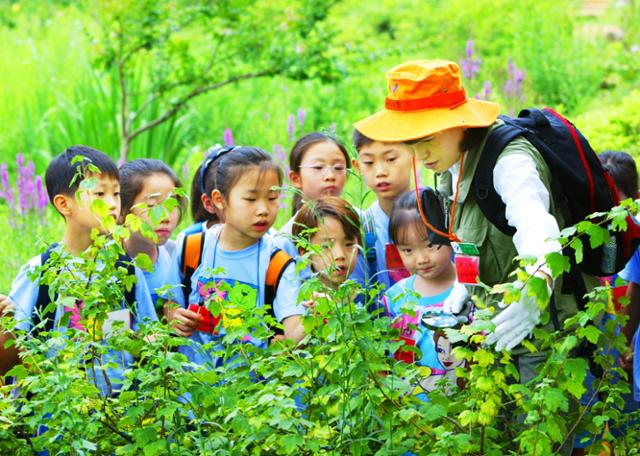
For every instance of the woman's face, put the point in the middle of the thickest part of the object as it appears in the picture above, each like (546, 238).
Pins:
(440, 151)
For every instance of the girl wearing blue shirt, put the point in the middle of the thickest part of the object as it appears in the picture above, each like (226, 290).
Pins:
(236, 254)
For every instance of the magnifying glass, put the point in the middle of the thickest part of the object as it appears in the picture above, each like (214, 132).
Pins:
(441, 320)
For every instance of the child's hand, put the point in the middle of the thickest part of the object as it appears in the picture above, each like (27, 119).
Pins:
(6, 305)
(311, 303)
(184, 321)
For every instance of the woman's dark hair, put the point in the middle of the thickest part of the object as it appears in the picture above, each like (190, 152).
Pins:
(227, 169)
(198, 213)
(297, 154)
(132, 176)
(472, 138)
(622, 169)
(406, 216)
(312, 212)
(360, 140)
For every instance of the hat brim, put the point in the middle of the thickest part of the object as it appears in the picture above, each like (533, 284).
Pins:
(398, 126)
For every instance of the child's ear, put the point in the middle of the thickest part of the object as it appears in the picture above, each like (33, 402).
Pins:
(354, 163)
(63, 204)
(217, 200)
(207, 204)
(295, 179)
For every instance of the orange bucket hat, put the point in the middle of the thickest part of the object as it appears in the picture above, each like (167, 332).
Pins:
(425, 97)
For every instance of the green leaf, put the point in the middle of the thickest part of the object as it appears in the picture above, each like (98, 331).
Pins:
(143, 261)
(558, 263)
(576, 244)
(597, 236)
(537, 288)
(100, 208)
(591, 333)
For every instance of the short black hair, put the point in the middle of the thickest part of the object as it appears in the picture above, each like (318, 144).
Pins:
(60, 177)
(405, 215)
(360, 140)
(622, 168)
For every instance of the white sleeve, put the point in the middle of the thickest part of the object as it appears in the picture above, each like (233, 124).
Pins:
(527, 201)
(286, 300)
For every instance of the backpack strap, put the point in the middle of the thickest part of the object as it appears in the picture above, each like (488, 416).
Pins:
(277, 264)
(43, 299)
(191, 257)
(125, 261)
(370, 238)
(482, 186)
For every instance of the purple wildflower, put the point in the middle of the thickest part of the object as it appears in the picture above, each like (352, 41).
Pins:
(43, 197)
(487, 90)
(281, 156)
(469, 65)
(302, 115)
(514, 87)
(228, 137)
(291, 127)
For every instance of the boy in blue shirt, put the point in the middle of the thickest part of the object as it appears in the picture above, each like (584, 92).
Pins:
(386, 170)
(74, 202)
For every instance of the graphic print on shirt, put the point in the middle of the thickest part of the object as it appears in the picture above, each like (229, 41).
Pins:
(227, 299)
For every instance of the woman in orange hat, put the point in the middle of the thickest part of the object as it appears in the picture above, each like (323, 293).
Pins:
(427, 108)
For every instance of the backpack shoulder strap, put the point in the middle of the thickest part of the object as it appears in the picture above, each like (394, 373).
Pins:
(43, 300)
(482, 186)
(126, 262)
(277, 264)
(191, 257)
(370, 238)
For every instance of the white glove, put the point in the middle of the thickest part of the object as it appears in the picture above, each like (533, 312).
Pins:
(456, 299)
(515, 322)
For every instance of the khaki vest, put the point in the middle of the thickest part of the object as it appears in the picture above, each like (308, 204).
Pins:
(497, 250)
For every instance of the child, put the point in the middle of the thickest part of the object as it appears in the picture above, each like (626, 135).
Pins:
(146, 183)
(239, 252)
(386, 169)
(318, 167)
(427, 256)
(74, 203)
(337, 234)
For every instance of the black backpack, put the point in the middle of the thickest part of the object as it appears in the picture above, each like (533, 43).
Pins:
(579, 184)
(44, 299)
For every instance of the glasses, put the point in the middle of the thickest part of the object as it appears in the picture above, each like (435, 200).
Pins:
(325, 169)
(213, 154)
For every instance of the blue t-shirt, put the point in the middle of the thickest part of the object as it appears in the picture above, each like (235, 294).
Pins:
(159, 276)
(403, 295)
(24, 294)
(385, 273)
(631, 273)
(243, 273)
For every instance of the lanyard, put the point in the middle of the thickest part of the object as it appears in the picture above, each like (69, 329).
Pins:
(450, 234)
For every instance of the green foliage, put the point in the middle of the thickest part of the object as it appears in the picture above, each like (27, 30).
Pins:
(339, 392)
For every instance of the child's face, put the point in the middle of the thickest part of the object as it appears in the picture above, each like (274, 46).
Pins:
(323, 171)
(386, 168)
(428, 261)
(440, 151)
(339, 253)
(106, 189)
(156, 188)
(252, 205)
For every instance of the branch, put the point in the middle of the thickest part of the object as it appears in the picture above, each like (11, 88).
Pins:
(198, 91)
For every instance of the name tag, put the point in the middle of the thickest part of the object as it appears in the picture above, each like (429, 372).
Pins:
(117, 320)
